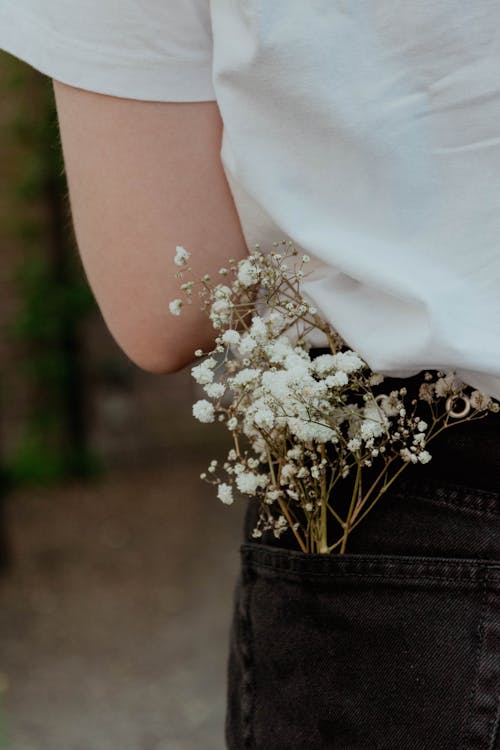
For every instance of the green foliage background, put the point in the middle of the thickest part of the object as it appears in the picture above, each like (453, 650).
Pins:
(55, 297)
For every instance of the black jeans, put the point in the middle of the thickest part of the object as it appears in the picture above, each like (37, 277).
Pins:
(394, 645)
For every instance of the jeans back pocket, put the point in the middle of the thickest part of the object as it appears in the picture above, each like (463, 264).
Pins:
(363, 652)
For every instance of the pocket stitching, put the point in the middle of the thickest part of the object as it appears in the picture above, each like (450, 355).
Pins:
(286, 563)
(457, 506)
(468, 714)
(301, 576)
(248, 690)
(451, 494)
(495, 726)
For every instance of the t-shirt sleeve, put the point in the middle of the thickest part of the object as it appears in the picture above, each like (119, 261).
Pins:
(157, 50)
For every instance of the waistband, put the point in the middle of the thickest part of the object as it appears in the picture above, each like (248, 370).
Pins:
(465, 453)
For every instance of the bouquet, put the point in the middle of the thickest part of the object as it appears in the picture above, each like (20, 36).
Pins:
(301, 425)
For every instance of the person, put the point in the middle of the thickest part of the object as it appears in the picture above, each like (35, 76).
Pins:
(367, 133)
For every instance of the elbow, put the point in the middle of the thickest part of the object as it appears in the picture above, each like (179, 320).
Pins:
(157, 356)
(155, 347)
(154, 361)
(161, 366)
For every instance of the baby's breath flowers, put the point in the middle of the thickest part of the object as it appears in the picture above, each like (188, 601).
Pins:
(304, 427)
(175, 306)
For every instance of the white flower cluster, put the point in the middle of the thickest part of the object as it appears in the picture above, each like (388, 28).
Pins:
(299, 424)
(175, 306)
(181, 256)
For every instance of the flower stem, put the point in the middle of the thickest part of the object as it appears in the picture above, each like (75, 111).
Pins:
(324, 502)
(284, 508)
(364, 499)
(381, 492)
(351, 507)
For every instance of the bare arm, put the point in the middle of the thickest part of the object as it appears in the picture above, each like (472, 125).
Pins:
(144, 177)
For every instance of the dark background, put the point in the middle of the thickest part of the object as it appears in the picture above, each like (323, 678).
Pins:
(117, 563)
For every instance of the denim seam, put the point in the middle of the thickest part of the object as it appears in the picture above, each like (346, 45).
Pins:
(495, 724)
(293, 575)
(248, 669)
(477, 661)
(253, 551)
(457, 506)
(448, 487)
(284, 562)
(489, 675)
(451, 494)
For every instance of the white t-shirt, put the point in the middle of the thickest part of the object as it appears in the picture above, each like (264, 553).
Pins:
(368, 133)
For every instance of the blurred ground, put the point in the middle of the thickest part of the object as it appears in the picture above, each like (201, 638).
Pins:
(114, 622)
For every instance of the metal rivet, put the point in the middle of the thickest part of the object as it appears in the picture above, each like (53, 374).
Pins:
(458, 414)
